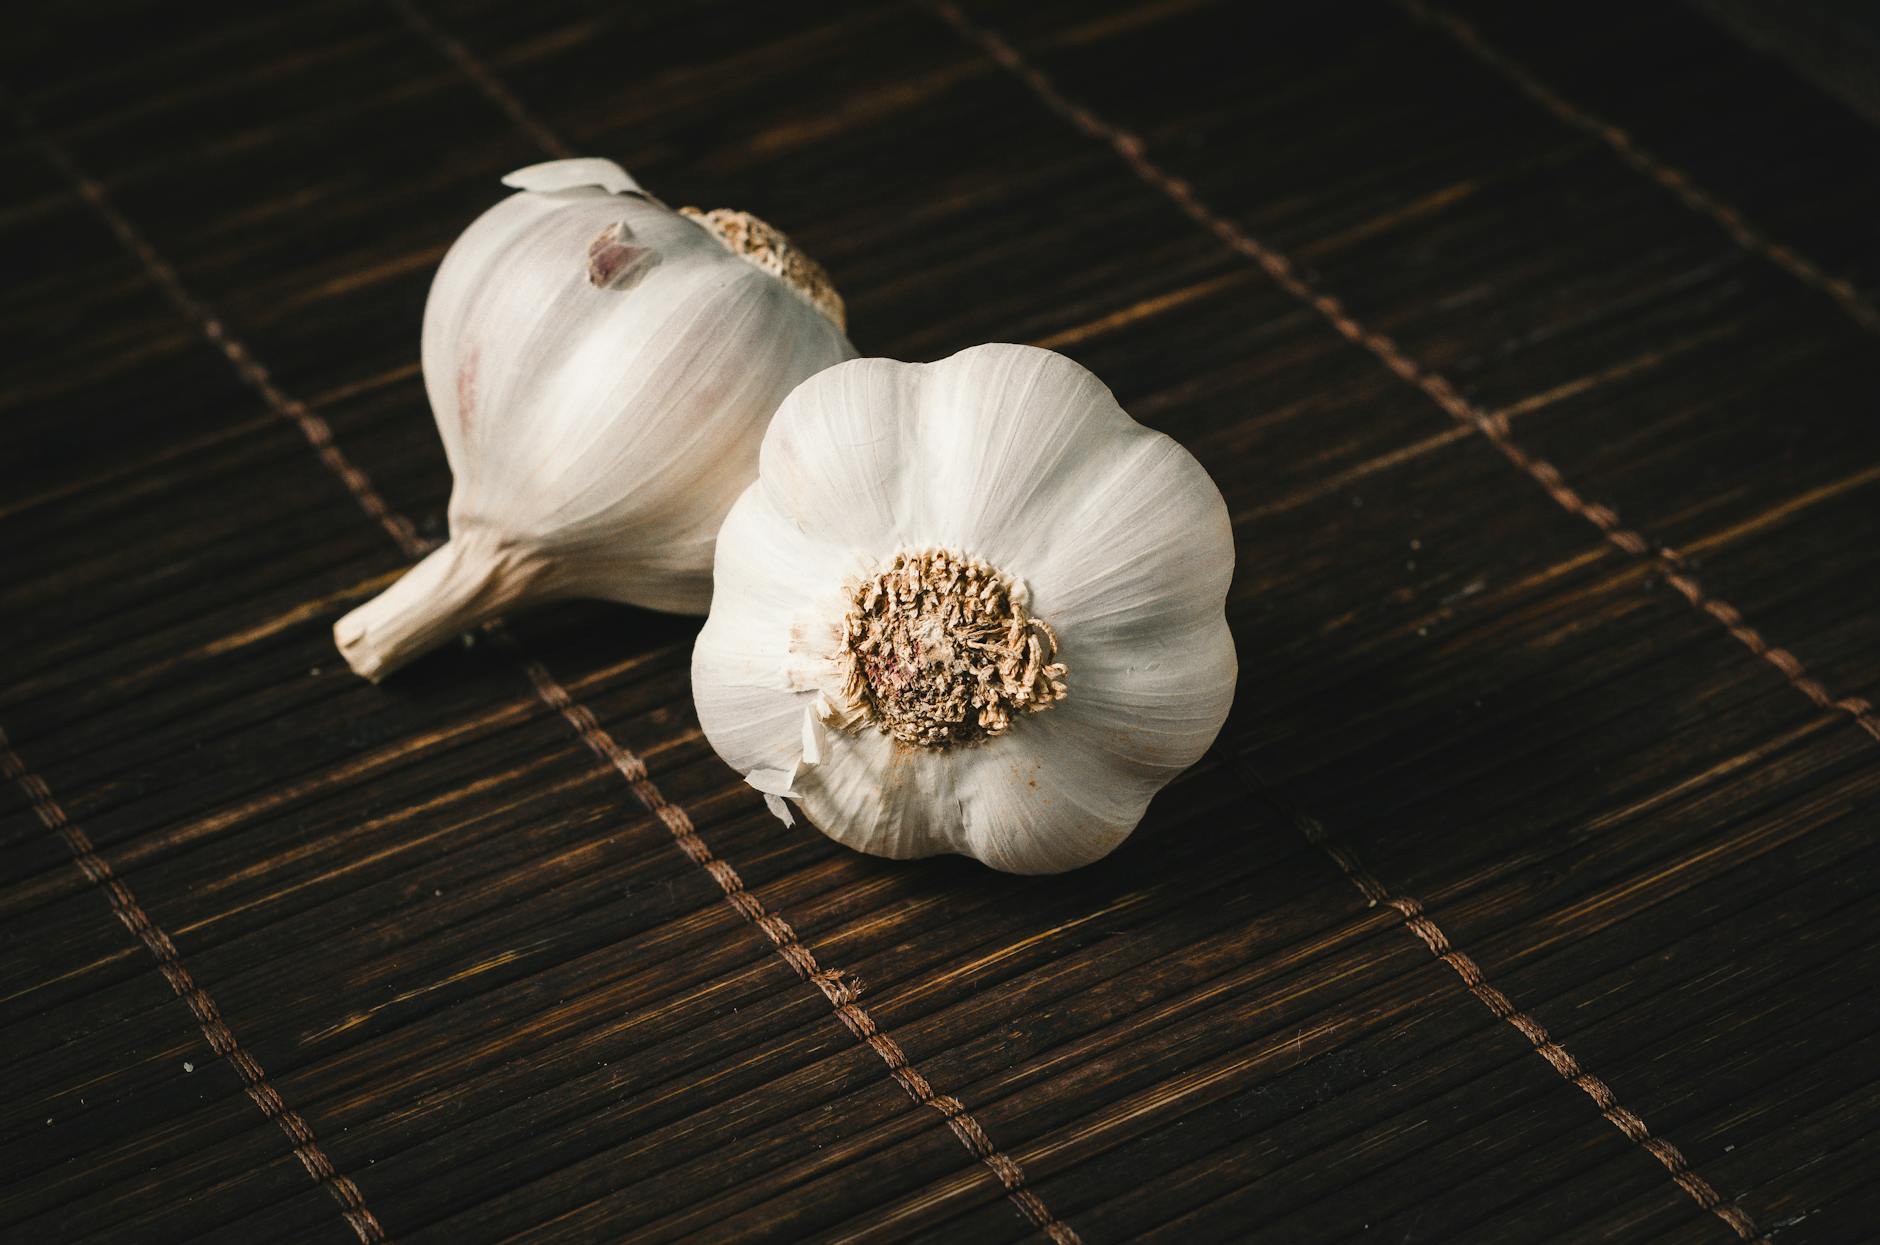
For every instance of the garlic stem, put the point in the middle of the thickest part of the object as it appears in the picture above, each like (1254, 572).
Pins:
(467, 581)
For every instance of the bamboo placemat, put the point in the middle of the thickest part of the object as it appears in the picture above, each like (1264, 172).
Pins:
(1525, 897)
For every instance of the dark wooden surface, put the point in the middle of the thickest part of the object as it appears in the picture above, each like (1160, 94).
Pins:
(412, 962)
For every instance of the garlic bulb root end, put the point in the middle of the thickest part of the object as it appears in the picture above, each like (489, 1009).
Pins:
(769, 249)
(466, 582)
(939, 650)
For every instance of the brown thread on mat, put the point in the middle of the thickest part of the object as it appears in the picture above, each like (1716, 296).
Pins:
(841, 991)
(1667, 175)
(1557, 1056)
(1495, 427)
(215, 1029)
(317, 431)
(484, 81)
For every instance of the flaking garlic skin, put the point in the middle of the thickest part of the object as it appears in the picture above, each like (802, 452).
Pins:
(601, 369)
(968, 607)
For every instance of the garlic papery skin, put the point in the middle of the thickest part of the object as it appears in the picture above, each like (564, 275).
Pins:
(601, 369)
(970, 607)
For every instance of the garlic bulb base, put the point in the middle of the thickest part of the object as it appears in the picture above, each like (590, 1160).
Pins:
(765, 247)
(464, 583)
(940, 651)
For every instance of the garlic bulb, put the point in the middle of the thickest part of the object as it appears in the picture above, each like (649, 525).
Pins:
(601, 369)
(968, 606)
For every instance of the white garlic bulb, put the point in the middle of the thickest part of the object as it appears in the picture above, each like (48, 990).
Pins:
(601, 369)
(968, 606)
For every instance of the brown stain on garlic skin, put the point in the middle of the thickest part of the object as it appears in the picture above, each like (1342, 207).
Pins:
(467, 388)
(615, 262)
(1030, 780)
